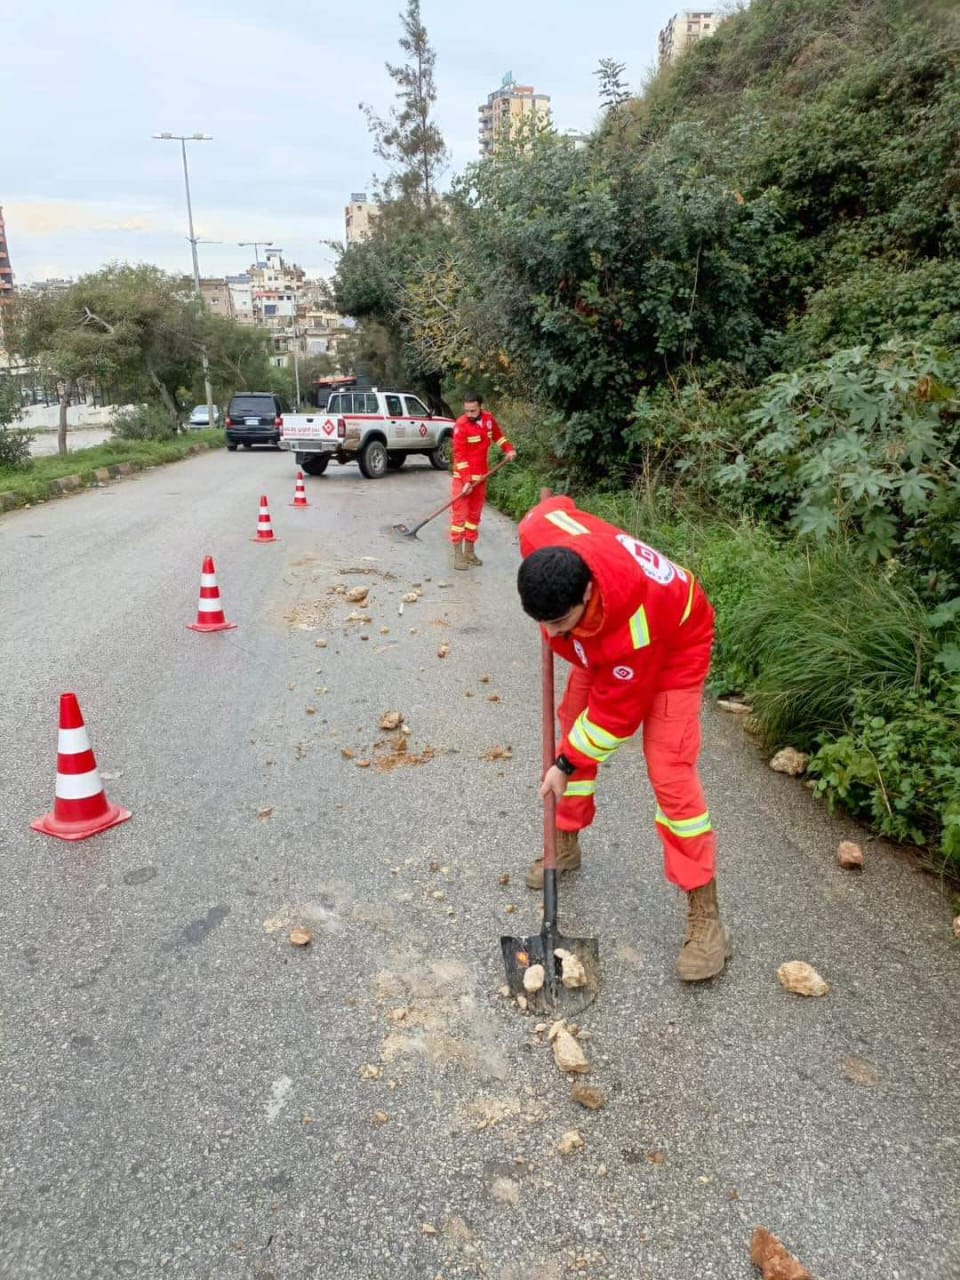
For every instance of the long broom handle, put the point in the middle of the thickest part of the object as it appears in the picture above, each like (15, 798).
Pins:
(549, 743)
(440, 510)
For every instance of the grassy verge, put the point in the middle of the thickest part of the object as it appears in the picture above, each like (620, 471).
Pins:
(837, 658)
(36, 482)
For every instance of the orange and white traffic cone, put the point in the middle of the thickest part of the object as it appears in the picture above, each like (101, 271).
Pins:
(264, 527)
(80, 806)
(300, 494)
(210, 616)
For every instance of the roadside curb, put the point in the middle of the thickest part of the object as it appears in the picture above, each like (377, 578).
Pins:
(59, 488)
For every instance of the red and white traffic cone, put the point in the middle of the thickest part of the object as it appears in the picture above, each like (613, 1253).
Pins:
(80, 806)
(264, 527)
(210, 615)
(300, 494)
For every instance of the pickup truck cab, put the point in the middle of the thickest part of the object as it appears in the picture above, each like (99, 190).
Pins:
(377, 429)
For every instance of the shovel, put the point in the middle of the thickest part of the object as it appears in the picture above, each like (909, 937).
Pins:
(554, 997)
(405, 532)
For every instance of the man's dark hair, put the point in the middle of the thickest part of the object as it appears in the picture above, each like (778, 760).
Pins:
(470, 396)
(551, 582)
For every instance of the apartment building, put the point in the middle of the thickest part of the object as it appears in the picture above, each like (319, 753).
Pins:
(685, 29)
(506, 110)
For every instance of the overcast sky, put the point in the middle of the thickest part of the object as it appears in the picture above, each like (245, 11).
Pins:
(277, 83)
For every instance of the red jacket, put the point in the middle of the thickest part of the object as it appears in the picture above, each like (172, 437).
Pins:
(471, 444)
(656, 631)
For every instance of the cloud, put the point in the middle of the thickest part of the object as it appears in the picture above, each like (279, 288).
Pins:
(45, 218)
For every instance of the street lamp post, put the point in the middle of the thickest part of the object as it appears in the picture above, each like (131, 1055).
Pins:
(183, 139)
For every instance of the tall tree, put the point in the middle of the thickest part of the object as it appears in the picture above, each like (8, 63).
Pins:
(408, 139)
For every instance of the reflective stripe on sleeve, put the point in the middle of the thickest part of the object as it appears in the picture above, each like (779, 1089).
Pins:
(580, 789)
(639, 630)
(592, 741)
(563, 520)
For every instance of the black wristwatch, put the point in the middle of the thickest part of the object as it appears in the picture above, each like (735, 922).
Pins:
(564, 765)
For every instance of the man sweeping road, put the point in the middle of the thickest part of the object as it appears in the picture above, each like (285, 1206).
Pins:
(473, 434)
(638, 631)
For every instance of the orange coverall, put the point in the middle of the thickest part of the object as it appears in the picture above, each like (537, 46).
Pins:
(640, 656)
(471, 445)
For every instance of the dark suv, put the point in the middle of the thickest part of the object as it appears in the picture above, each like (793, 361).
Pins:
(254, 417)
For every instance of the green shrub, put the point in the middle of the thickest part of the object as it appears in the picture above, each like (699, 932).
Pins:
(14, 440)
(901, 770)
(143, 422)
(814, 629)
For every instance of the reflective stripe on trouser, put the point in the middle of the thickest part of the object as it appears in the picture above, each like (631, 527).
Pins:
(671, 745)
(465, 512)
(577, 808)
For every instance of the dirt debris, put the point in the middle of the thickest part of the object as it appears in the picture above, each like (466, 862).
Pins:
(588, 1095)
(773, 1259)
(504, 878)
(348, 753)
(570, 1142)
(356, 616)
(860, 1071)
(370, 1071)
(505, 1191)
(802, 979)
(363, 764)
(498, 753)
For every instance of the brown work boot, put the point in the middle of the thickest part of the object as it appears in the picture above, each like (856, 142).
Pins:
(460, 561)
(568, 859)
(470, 551)
(707, 945)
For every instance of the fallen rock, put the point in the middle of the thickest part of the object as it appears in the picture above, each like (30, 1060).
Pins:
(348, 753)
(790, 761)
(493, 697)
(734, 707)
(568, 1055)
(534, 977)
(391, 720)
(802, 979)
(484, 679)
(771, 1256)
(358, 595)
(411, 597)
(370, 1071)
(362, 764)
(380, 1117)
(574, 975)
(522, 1003)
(655, 1157)
(504, 878)
(588, 1096)
(358, 617)
(570, 1142)
(321, 644)
(427, 1229)
(443, 650)
(300, 937)
(850, 856)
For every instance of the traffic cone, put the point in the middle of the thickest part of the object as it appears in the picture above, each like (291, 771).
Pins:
(264, 527)
(210, 607)
(300, 495)
(80, 806)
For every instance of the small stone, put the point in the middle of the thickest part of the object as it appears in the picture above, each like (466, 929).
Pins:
(348, 753)
(391, 720)
(522, 1003)
(370, 1071)
(588, 1096)
(734, 707)
(956, 927)
(503, 991)
(397, 1015)
(469, 693)
(493, 697)
(850, 856)
(570, 1142)
(534, 977)
(568, 1055)
(321, 643)
(427, 1229)
(484, 679)
(802, 979)
(438, 895)
(300, 937)
(384, 631)
(601, 1170)
(504, 878)
(358, 595)
(311, 711)
(773, 1259)
(511, 908)
(411, 597)
(790, 761)
(261, 813)
(574, 975)
(362, 764)
(443, 650)
(655, 1157)
(380, 1117)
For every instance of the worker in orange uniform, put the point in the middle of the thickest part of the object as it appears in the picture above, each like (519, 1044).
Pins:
(638, 631)
(473, 434)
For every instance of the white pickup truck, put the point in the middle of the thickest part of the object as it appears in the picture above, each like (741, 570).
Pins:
(377, 429)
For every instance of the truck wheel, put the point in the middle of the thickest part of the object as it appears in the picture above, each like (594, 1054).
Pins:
(373, 459)
(232, 448)
(395, 459)
(315, 464)
(440, 456)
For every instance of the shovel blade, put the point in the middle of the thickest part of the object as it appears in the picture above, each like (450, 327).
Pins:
(553, 998)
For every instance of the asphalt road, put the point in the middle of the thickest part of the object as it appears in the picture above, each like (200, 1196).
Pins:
(183, 1094)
